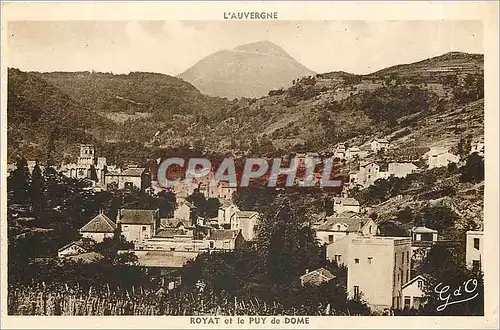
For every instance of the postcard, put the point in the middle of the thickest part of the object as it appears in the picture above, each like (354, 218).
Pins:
(249, 165)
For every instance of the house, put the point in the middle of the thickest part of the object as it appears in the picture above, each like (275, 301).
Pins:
(71, 249)
(352, 152)
(377, 268)
(131, 177)
(99, 228)
(225, 239)
(401, 170)
(316, 277)
(340, 151)
(413, 292)
(437, 158)
(138, 225)
(341, 205)
(474, 249)
(424, 234)
(185, 210)
(226, 212)
(332, 228)
(186, 226)
(222, 190)
(246, 221)
(379, 144)
(368, 173)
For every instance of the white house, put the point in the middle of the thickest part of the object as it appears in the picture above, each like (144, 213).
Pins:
(377, 268)
(138, 225)
(439, 158)
(246, 222)
(333, 228)
(414, 292)
(368, 173)
(401, 170)
(379, 144)
(184, 210)
(352, 152)
(226, 212)
(99, 228)
(341, 205)
(474, 249)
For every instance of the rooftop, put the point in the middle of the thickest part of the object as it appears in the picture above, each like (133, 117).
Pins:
(346, 201)
(99, 224)
(246, 214)
(350, 219)
(139, 217)
(423, 230)
(223, 234)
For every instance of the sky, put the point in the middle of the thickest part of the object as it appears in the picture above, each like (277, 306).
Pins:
(171, 47)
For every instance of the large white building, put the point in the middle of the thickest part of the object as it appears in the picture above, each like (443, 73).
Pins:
(377, 267)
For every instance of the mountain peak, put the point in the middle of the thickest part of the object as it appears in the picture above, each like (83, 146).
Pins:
(265, 47)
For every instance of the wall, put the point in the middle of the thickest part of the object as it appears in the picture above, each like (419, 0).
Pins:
(135, 233)
(98, 237)
(472, 253)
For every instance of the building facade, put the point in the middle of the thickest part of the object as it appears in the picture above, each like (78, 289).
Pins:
(138, 225)
(377, 268)
(474, 249)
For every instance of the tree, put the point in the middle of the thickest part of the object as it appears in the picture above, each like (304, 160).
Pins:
(19, 182)
(437, 217)
(445, 266)
(473, 171)
(287, 246)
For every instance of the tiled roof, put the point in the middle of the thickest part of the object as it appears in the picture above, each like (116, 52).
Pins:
(174, 223)
(223, 234)
(350, 219)
(247, 214)
(99, 224)
(139, 217)
(317, 276)
(423, 230)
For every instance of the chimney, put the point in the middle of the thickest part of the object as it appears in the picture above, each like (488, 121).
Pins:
(307, 271)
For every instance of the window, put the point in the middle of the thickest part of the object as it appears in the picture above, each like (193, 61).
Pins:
(356, 291)
(369, 176)
(398, 277)
(407, 275)
(407, 257)
(172, 249)
(402, 257)
(370, 260)
(330, 238)
(143, 228)
(370, 229)
(356, 261)
(407, 302)
(476, 264)
(338, 227)
(476, 243)
(212, 244)
(420, 284)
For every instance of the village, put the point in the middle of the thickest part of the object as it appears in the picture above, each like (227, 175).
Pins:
(379, 267)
